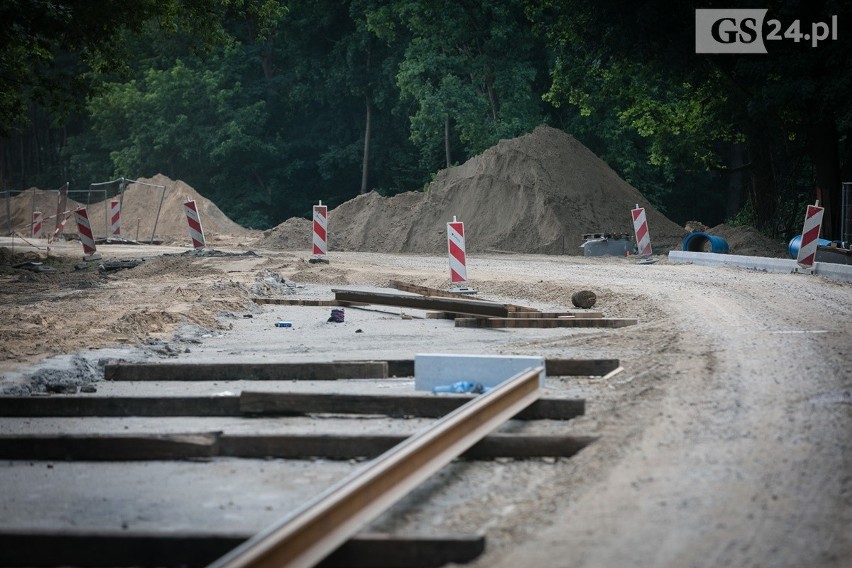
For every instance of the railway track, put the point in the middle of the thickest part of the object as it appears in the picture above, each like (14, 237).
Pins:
(327, 531)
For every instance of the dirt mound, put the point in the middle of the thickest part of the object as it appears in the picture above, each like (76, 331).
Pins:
(292, 234)
(139, 213)
(538, 193)
(22, 205)
(748, 241)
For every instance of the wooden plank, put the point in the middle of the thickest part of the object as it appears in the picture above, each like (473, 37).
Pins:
(435, 292)
(305, 302)
(580, 367)
(519, 446)
(340, 447)
(516, 315)
(328, 371)
(269, 403)
(109, 447)
(142, 447)
(428, 406)
(551, 315)
(111, 548)
(478, 307)
(153, 549)
(456, 315)
(81, 405)
(294, 302)
(422, 290)
(505, 322)
(400, 367)
(386, 551)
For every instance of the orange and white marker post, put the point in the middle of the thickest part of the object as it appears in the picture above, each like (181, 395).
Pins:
(37, 225)
(115, 217)
(810, 236)
(320, 230)
(456, 253)
(84, 228)
(640, 225)
(196, 233)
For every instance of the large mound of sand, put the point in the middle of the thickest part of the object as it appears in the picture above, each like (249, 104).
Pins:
(142, 201)
(538, 193)
(141, 210)
(22, 205)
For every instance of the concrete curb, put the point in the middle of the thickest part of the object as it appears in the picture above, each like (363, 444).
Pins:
(834, 271)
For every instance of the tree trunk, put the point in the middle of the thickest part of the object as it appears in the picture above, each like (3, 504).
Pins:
(4, 165)
(735, 180)
(762, 191)
(263, 186)
(368, 127)
(23, 162)
(365, 165)
(447, 140)
(825, 156)
(492, 98)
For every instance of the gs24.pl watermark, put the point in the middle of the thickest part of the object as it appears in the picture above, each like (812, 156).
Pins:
(743, 31)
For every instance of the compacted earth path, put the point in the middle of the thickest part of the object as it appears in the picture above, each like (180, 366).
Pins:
(725, 441)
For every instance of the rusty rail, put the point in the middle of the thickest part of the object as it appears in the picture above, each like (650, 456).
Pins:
(311, 533)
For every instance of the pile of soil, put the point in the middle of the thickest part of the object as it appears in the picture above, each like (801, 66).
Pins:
(139, 213)
(748, 241)
(139, 210)
(21, 208)
(538, 193)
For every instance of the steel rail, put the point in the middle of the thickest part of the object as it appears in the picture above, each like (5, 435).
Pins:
(311, 533)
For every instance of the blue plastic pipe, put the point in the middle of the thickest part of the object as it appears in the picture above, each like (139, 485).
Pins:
(698, 242)
(796, 243)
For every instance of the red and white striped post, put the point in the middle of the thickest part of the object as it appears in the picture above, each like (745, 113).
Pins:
(196, 233)
(455, 251)
(320, 229)
(84, 228)
(115, 217)
(61, 219)
(810, 236)
(37, 225)
(640, 225)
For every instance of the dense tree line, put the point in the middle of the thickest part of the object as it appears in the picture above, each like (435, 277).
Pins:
(266, 106)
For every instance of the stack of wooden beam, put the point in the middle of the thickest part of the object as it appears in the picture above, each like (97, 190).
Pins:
(476, 313)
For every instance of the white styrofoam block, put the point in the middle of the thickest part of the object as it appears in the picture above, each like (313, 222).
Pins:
(434, 369)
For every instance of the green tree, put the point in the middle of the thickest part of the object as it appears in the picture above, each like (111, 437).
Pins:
(52, 51)
(470, 69)
(786, 108)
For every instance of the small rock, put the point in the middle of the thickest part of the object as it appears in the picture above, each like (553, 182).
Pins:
(89, 388)
(584, 299)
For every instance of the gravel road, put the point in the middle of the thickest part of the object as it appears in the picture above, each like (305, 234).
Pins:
(726, 441)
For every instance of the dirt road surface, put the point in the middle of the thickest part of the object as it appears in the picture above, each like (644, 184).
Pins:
(726, 441)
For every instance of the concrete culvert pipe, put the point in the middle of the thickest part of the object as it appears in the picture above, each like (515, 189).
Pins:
(702, 242)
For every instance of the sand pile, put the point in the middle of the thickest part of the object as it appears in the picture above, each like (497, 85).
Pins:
(139, 209)
(22, 205)
(141, 202)
(538, 193)
(749, 242)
